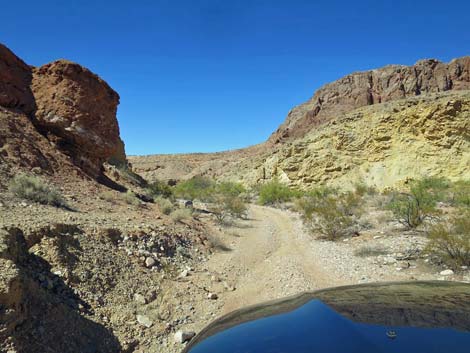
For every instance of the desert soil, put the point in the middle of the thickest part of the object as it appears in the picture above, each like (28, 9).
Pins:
(271, 255)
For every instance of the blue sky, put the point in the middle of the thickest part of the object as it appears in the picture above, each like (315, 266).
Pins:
(207, 75)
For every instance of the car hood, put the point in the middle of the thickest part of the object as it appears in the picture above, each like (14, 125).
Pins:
(383, 317)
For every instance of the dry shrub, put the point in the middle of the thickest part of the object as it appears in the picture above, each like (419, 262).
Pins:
(449, 242)
(33, 188)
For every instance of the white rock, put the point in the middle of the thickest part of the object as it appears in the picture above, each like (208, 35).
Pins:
(139, 298)
(212, 296)
(446, 273)
(184, 273)
(184, 336)
(144, 321)
(149, 262)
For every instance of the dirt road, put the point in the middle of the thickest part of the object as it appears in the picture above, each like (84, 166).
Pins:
(269, 258)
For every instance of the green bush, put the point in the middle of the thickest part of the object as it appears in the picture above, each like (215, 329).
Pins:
(196, 188)
(130, 198)
(450, 242)
(419, 203)
(275, 192)
(159, 188)
(227, 202)
(165, 205)
(328, 215)
(460, 192)
(181, 214)
(32, 188)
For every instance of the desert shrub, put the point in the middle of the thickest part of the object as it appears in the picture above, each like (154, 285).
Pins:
(419, 203)
(108, 196)
(159, 188)
(275, 192)
(328, 215)
(369, 251)
(450, 242)
(181, 214)
(229, 188)
(216, 243)
(226, 205)
(130, 198)
(460, 193)
(195, 188)
(165, 205)
(33, 188)
(362, 189)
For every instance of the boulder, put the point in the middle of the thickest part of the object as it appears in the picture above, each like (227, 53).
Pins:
(184, 336)
(77, 111)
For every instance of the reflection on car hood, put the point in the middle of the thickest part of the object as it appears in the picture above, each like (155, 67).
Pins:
(385, 317)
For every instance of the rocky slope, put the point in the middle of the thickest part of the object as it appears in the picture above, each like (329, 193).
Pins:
(380, 127)
(380, 145)
(58, 108)
(372, 87)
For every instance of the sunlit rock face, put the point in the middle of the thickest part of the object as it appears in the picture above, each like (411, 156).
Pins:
(77, 111)
(372, 87)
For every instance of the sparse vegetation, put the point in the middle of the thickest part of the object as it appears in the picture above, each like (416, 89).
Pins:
(227, 202)
(412, 208)
(33, 188)
(181, 214)
(370, 251)
(460, 192)
(275, 192)
(333, 216)
(165, 205)
(195, 188)
(449, 242)
(159, 189)
(130, 198)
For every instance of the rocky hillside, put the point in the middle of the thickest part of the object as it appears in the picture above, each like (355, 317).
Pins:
(381, 127)
(373, 87)
(60, 114)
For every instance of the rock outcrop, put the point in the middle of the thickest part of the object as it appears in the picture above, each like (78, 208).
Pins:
(380, 145)
(371, 87)
(15, 81)
(69, 105)
(77, 111)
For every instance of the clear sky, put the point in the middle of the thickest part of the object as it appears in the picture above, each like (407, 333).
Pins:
(208, 75)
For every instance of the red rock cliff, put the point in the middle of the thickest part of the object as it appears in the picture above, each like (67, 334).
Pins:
(71, 106)
(372, 87)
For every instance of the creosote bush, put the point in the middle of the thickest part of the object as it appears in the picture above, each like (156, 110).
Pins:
(275, 192)
(159, 189)
(195, 188)
(130, 198)
(332, 215)
(181, 214)
(460, 193)
(227, 202)
(412, 208)
(33, 188)
(450, 242)
(165, 205)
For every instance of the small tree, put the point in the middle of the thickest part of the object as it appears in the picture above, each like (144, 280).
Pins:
(413, 207)
(195, 188)
(274, 192)
(450, 242)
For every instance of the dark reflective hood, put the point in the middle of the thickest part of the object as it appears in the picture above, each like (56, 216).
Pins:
(414, 317)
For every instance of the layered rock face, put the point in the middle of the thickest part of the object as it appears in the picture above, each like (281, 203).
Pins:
(68, 104)
(371, 87)
(380, 145)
